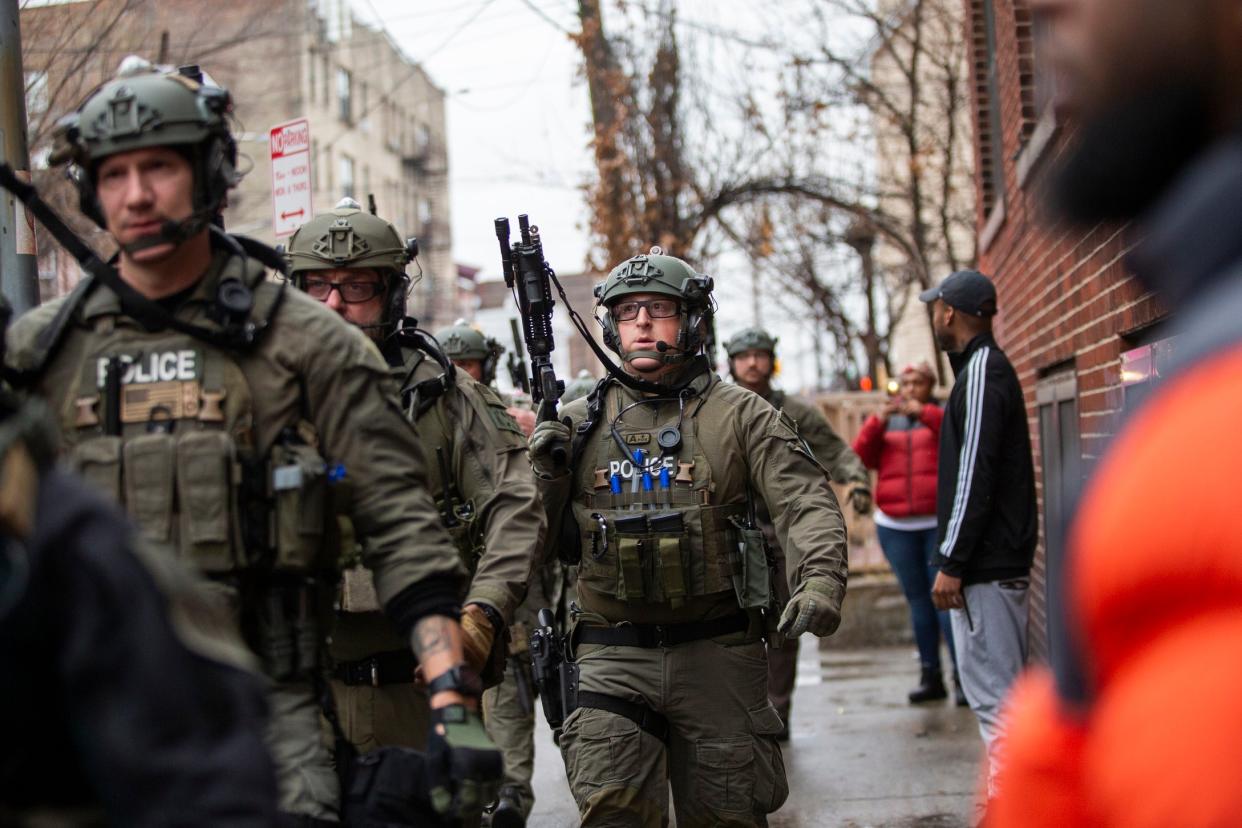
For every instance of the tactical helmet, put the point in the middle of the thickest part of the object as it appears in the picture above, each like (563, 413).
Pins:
(658, 273)
(349, 237)
(143, 108)
(461, 340)
(751, 339)
(578, 387)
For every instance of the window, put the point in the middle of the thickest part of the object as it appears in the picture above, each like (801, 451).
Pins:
(1144, 363)
(347, 176)
(344, 95)
(1024, 30)
(312, 87)
(364, 119)
(1060, 464)
(325, 77)
(987, 114)
(366, 181)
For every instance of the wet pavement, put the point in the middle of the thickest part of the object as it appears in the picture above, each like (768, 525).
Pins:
(858, 756)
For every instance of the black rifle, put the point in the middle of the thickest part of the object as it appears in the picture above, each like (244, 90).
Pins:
(517, 360)
(527, 275)
(555, 678)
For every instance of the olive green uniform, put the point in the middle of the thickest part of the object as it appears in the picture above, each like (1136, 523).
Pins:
(683, 564)
(498, 529)
(227, 459)
(843, 467)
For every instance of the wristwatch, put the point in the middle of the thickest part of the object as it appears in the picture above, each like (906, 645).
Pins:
(459, 679)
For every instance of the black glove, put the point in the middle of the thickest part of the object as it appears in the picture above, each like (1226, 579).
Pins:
(464, 768)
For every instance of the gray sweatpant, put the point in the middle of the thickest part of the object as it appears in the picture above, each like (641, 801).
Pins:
(990, 639)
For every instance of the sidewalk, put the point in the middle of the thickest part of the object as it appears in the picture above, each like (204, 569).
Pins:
(859, 755)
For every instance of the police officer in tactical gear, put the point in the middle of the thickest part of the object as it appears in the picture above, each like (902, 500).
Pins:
(674, 578)
(125, 695)
(471, 351)
(478, 355)
(233, 417)
(752, 362)
(355, 262)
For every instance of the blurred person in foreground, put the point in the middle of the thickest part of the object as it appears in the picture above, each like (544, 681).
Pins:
(985, 505)
(1137, 723)
(125, 696)
(902, 444)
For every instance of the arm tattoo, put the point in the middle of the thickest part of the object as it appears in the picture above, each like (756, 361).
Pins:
(431, 636)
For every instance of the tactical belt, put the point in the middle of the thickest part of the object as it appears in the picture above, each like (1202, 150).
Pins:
(662, 635)
(640, 714)
(391, 667)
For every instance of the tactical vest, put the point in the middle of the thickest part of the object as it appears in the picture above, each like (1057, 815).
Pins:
(180, 455)
(660, 535)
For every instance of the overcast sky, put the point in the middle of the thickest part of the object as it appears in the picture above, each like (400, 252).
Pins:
(518, 123)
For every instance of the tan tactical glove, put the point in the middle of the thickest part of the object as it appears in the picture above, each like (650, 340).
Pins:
(477, 635)
(815, 608)
(549, 442)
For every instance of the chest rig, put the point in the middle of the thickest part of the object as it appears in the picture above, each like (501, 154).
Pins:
(164, 423)
(652, 525)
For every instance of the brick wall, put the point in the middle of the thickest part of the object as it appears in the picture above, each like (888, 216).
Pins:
(1067, 302)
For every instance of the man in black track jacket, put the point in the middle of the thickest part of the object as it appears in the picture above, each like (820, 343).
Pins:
(985, 503)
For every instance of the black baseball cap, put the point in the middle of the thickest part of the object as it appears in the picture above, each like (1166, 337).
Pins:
(966, 290)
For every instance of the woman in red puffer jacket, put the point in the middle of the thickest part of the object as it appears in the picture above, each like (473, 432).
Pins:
(902, 444)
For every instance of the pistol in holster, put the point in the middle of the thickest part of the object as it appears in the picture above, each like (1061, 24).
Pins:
(556, 678)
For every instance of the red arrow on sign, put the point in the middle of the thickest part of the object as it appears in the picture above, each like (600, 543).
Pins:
(297, 212)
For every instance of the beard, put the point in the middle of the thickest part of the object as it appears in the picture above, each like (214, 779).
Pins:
(1125, 157)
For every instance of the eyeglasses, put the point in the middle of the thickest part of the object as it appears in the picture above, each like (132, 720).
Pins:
(352, 293)
(656, 309)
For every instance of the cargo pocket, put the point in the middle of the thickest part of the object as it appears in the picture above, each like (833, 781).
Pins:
(771, 784)
(299, 488)
(726, 781)
(98, 460)
(602, 749)
(204, 474)
(149, 484)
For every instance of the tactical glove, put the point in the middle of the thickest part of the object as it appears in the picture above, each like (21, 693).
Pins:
(549, 440)
(815, 608)
(464, 768)
(477, 636)
(860, 499)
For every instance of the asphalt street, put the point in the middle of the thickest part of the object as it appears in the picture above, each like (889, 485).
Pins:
(859, 754)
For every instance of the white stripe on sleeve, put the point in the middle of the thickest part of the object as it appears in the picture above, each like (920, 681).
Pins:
(975, 377)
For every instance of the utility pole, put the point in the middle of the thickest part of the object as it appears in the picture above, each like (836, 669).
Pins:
(19, 269)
